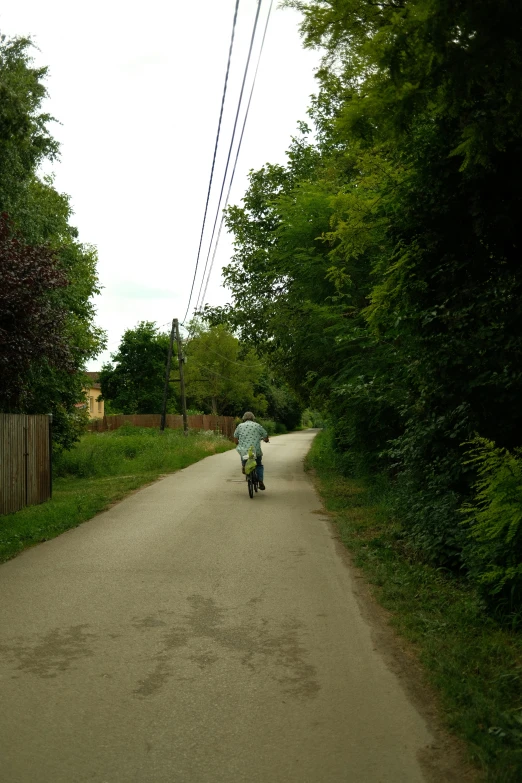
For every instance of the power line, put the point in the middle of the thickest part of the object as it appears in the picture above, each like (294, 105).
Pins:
(215, 152)
(240, 100)
(198, 303)
(202, 299)
(212, 372)
(232, 361)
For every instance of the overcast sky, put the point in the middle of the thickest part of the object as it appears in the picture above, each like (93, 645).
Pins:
(137, 91)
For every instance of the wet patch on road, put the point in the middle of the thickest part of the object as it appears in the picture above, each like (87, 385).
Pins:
(205, 636)
(49, 655)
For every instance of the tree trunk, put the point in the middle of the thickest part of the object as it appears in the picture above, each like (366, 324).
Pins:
(214, 406)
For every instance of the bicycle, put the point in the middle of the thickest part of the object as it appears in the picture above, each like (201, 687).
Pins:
(251, 473)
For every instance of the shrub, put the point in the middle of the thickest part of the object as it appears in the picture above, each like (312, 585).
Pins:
(429, 515)
(269, 425)
(494, 525)
(431, 483)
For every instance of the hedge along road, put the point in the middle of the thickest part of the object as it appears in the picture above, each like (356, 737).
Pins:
(192, 634)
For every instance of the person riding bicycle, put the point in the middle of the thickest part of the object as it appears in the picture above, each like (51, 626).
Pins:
(250, 434)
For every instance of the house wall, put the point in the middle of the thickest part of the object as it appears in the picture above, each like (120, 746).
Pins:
(96, 410)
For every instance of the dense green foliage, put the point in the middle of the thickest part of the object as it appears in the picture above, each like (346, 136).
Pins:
(282, 405)
(219, 377)
(48, 277)
(31, 325)
(134, 381)
(379, 270)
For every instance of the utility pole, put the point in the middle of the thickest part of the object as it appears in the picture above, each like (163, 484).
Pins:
(175, 325)
(167, 374)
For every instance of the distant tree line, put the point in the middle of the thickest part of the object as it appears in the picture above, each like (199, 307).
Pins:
(222, 376)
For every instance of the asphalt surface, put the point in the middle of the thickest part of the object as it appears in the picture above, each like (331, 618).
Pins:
(190, 634)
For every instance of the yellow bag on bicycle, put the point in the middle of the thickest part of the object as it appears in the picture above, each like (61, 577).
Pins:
(251, 463)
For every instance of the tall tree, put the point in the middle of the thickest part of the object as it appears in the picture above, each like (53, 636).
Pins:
(134, 381)
(31, 325)
(51, 263)
(25, 140)
(220, 378)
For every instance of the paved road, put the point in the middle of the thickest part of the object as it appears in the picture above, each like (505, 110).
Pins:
(190, 634)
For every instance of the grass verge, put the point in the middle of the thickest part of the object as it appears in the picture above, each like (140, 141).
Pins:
(101, 469)
(473, 663)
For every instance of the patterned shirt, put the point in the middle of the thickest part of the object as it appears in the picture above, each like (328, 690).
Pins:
(249, 433)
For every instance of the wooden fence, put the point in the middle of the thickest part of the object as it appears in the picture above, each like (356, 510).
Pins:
(25, 461)
(226, 425)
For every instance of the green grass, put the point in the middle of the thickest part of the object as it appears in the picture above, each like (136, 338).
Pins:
(473, 663)
(101, 469)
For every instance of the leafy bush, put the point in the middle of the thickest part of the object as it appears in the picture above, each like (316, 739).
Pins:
(429, 514)
(269, 425)
(363, 410)
(282, 404)
(494, 524)
(431, 484)
(273, 427)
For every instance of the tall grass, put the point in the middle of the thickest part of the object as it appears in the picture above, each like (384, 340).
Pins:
(137, 450)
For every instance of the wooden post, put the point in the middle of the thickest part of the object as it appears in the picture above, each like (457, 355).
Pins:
(167, 374)
(181, 378)
(26, 461)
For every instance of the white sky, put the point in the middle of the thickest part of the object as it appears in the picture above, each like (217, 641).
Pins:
(137, 90)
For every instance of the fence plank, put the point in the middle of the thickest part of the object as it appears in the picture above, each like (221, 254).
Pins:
(174, 421)
(31, 462)
(12, 455)
(38, 473)
(18, 473)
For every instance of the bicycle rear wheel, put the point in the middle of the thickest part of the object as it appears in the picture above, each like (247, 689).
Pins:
(250, 486)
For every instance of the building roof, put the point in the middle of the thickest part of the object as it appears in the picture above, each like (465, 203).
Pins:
(94, 378)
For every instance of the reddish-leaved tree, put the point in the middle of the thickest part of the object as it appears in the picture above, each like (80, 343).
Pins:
(31, 318)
